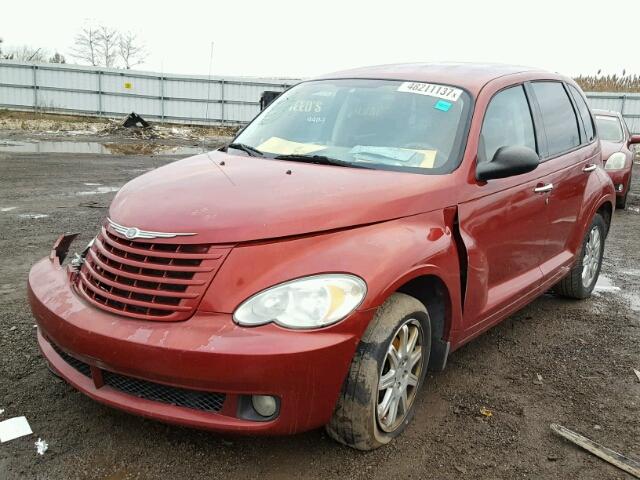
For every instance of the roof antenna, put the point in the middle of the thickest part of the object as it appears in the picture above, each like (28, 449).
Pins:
(206, 117)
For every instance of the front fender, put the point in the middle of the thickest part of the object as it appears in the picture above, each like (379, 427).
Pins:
(600, 190)
(386, 255)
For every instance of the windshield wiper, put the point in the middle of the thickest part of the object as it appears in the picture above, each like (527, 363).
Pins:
(248, 149)
(318, 159)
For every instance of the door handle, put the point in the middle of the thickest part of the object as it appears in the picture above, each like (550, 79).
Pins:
(590, 167)
(544, 188)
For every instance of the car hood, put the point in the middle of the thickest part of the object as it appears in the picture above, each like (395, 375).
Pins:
(227, 199)
(609, 148)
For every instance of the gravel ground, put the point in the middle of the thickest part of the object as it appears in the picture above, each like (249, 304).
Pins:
(584, 352)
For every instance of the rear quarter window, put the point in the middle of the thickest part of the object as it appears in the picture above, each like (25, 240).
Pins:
(558, 117)
(583, 110)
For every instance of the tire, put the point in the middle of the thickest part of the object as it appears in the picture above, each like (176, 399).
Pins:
(574, 285)
(355, 420)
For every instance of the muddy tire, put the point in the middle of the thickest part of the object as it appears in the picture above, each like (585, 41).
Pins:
(582, 278)
(377, 376)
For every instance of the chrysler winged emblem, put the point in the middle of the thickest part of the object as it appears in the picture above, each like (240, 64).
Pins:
(131, 233)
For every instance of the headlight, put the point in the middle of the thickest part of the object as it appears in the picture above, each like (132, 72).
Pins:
(615, 161)
(309, 302)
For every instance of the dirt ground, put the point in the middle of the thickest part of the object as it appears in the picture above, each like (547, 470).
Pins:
(584, 352)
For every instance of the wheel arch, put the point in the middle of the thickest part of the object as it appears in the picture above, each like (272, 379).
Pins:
(605, 209)
(434, 294)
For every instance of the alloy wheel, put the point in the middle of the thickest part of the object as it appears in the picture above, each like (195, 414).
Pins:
(400, 375)
(591, 259)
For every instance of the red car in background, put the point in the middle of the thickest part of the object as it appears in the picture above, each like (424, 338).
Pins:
(362, 227)
(617, 156)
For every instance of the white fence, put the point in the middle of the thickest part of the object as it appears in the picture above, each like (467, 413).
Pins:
(174, 98)
(112, 93)
(626, 103)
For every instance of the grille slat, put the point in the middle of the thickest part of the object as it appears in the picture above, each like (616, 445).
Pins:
(162, 279)
(118, 257)
(131, 278)
(157, 392)
(129, 247)
(135, 289)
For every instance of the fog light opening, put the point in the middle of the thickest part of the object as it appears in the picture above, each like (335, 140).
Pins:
(264, 405)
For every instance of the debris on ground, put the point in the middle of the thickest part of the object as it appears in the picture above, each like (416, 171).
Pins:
(486, 412)
(637, 372)
(72, 125)
(41, 446)
(1, 411)
(538, 379)
(14, 428)
(606, 454)
(133, 120)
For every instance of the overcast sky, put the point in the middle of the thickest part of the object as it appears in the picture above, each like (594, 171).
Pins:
(305, 38)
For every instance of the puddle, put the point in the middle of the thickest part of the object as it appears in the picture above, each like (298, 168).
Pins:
(32, 216)
(604, 284)
(99, 190)
(634, 301)
(96, 148)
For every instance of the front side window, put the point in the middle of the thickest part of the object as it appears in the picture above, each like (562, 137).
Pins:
(583, 110)
(558, 117)
(507, 122)
(385, 124)
(609, 128)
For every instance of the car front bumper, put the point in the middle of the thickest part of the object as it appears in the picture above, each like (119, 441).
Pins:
(620, 179)
(206, 353)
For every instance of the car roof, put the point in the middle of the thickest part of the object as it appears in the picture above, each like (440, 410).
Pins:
(470, 76)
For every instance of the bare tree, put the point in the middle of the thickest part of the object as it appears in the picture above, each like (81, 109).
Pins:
(107, 46)
(85, 47)
(26, 54)
(131, 51)
(57, 58)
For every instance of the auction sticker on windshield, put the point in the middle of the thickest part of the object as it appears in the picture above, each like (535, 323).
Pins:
(431, 90)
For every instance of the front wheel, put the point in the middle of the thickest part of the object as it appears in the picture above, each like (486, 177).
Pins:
(379, 394)
(582, 278)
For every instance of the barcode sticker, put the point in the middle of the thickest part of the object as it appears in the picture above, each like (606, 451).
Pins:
(431, 90)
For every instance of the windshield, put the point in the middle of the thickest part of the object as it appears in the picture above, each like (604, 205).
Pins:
(609, 128)
(374, 123)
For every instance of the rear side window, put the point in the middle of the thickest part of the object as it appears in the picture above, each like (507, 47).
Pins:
(507, 122)
(583, 110)
(560, 122)
(610, 128)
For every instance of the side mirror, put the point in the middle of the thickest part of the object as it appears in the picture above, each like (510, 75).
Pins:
(508, 161)
(633, 140)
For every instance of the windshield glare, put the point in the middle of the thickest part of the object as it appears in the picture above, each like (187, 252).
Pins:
(609, 128)
(377, 123)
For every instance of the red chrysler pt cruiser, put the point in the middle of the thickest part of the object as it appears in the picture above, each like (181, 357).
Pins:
(364, 226)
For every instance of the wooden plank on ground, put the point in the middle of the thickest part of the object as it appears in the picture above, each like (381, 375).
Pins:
(606, 454)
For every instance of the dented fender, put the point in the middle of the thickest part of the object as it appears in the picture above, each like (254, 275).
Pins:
(386, 255)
